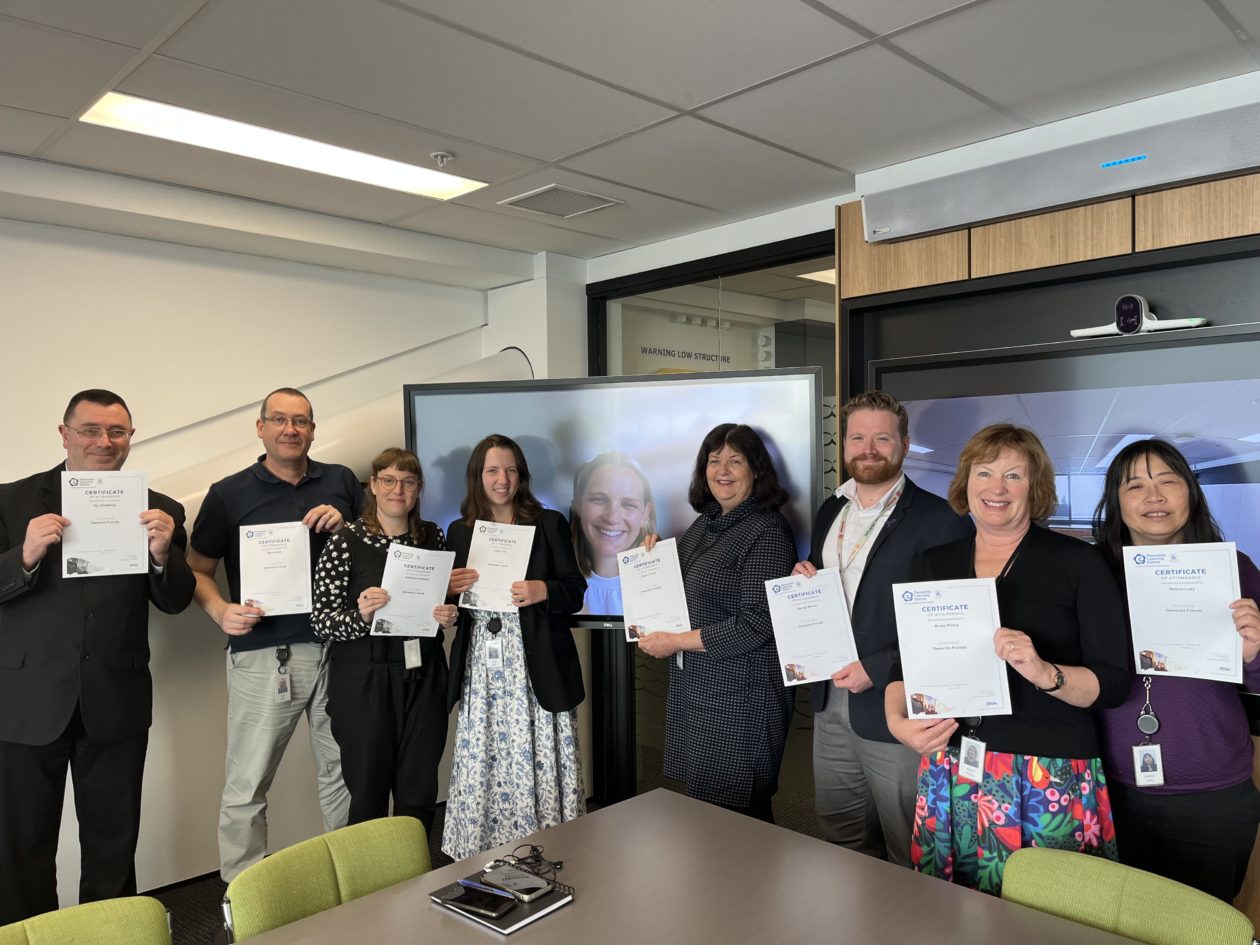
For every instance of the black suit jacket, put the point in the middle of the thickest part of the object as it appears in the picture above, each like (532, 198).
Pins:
(83, 641)
(546, 628)
(919, 520)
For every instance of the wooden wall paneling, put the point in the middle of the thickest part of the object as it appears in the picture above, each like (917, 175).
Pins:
(868, 268)
(1215, 210)
(1093, 231)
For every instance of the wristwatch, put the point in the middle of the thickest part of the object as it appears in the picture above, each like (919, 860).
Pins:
(1059, 681)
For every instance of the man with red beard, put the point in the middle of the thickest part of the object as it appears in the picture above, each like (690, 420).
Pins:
(871, 530)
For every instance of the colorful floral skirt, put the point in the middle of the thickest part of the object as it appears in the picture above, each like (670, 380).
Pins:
(963, 831)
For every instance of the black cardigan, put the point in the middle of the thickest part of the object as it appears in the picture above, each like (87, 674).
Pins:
(1061, 593)
(546, 628)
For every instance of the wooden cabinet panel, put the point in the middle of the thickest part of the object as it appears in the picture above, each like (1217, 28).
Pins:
(867, 268)
(1215, 210)
(1052, 239)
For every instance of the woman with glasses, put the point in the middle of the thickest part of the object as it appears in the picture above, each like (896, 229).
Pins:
(514, 673)
(386, 694)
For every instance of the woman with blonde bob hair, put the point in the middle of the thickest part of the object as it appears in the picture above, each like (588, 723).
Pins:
(1064, 642)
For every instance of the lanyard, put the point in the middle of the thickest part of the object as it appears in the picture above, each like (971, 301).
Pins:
(844, 519)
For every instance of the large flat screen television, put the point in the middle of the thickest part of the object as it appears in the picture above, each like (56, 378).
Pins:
(1087, 400)
(629, 444)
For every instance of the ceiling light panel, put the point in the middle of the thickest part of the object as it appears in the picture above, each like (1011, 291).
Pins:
(172, 123)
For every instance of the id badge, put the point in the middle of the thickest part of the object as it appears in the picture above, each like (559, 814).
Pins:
(971, 759)
(282, 688)
(1148, 766)
(678, 658)
(494, 656)
(411, 654)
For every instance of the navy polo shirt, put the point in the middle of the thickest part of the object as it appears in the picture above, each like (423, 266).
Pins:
(254, 496)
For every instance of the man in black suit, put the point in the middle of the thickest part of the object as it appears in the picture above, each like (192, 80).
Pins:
(75, 690)
(871, 529)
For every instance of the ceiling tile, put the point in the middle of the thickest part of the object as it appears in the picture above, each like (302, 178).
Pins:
(152, 159)
(884, 16)
(22, 132)
(696, 161)
(642, 218)
(507, 231)
(865, 110)
(394, 63)
(178, 83)
(130, 22)
(42, 70)
(1048, 61)
(681, 53)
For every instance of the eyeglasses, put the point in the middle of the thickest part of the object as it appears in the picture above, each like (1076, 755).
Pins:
(299, 423)
(390, 482)
(115, 434)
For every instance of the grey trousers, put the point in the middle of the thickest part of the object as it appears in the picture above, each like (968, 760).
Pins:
(864, 790)
(258, 730)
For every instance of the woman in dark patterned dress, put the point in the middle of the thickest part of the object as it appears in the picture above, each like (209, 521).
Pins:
(728, 711)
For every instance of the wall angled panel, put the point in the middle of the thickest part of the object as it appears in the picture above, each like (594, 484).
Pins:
(868, 268)
(1216, 210)
(1052, 239)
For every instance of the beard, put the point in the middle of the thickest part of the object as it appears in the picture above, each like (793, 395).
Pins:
(872, 469)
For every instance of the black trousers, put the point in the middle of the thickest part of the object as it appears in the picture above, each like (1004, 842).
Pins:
(107, 781)
(390, 724)
(1203, 840)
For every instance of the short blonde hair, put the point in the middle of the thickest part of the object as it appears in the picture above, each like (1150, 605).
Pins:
(985, 446)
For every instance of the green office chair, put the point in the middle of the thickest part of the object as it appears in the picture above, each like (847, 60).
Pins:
(134, 920)
(1121, 899)
(323, 872)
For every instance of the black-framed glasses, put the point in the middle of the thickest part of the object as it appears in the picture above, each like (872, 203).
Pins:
(391, 482)
(299, 423)
(115, 434)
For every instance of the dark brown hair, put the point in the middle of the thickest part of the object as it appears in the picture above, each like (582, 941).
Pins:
(291, 392)
(98, 396)
(985, 446)
(404, 461)
(475, 505)
(766, 491)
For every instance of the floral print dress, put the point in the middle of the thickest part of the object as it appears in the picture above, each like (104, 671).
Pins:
(516, 767)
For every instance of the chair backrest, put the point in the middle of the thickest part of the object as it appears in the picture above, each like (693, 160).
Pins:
(378, 853)
(1121, 899)
(134, 920)
(323, 872)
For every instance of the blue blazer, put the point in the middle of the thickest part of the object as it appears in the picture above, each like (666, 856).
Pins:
(919, 520)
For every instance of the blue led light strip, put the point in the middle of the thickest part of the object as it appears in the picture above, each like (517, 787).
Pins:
(1129, 160)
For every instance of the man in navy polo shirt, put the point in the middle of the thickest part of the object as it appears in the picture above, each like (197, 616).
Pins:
(276, 668)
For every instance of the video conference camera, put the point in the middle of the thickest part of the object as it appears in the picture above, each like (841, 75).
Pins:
(1134, 317)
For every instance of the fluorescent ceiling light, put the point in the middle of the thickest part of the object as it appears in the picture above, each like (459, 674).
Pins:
(824, 275)
(1254, 438)
(141, 116)
(916, 448)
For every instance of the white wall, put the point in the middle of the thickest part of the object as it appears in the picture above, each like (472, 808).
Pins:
(193, 339)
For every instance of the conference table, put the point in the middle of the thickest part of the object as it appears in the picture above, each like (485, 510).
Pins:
(664, 868)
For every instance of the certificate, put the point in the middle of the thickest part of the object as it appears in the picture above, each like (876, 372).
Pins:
(812, 631)
(276, 568)
(945, 634)
(652, 595)
(416, 579)
(499, 554)
(104, 535)
(1179, 597)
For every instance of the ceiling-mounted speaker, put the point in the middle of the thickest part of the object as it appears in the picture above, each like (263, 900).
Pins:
(1219, 144)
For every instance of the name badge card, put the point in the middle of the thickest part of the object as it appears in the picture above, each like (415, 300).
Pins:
(1179, 597)
(105, 535)
(945, 634)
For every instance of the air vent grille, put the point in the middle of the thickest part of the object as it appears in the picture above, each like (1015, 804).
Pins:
(558, 201)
